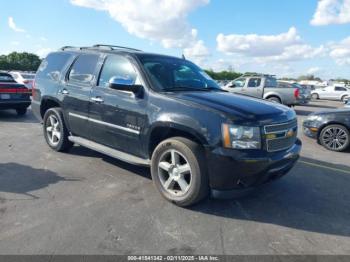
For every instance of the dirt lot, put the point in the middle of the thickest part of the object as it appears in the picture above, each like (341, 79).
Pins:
(86, 203)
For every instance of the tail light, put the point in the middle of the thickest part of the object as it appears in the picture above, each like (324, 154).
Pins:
(296, 93)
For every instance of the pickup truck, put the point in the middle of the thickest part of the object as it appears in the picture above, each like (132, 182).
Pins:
(266, 87)
(165, 113)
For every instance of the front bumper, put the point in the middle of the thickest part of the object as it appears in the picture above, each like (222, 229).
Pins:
(231, 171)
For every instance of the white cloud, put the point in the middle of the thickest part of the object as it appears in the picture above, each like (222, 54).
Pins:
(164, 21)
(331, 12)
(313, 70)
(15, 43)
(257, 45)
(197, 52)
(268, 48)
(295, 53)
(340, 52)
(13, 26)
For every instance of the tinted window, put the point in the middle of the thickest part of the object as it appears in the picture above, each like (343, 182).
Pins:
(52, 65)
(27, 76)
(172, 74)
(254, 82)
(83, 70)
(270, 82)
(119, 67)
(338, 88)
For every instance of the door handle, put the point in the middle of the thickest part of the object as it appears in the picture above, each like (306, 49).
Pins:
(97, 100)
(64, 92)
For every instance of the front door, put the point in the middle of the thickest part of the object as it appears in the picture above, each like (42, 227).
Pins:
(254, 87)
(76, 90)
(116, 117)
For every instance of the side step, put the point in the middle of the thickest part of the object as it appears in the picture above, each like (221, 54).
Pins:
(110, 151)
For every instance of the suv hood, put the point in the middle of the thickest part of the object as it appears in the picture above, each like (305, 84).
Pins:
(239, 107)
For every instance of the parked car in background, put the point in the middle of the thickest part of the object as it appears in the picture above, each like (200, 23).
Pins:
(304, 93)
(24, 78)
(166, 113)
(330, 128)
(338, 93)
(13, 95)
(266, 87)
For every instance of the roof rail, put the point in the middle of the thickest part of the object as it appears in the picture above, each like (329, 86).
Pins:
(114, 47)
(69, 47)
(257, 74)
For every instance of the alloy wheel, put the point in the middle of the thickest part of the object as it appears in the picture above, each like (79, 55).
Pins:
(174, 173)
(53, 130)
(335, 138)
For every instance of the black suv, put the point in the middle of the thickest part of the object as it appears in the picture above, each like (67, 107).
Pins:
(166, 113)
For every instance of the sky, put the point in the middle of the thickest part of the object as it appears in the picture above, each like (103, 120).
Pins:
(287, 38)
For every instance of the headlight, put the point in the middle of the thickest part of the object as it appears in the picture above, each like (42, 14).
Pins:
(241, 137)
(314, 118)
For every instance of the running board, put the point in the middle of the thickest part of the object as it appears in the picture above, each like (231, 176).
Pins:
(110, 151)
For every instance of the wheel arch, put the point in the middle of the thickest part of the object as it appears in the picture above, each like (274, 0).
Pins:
(162, 131)
(47, 103)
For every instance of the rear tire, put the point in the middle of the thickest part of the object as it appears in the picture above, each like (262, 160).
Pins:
(21, 111)
(335, 138)
(344, 98)
(55, 130)
(179, 172)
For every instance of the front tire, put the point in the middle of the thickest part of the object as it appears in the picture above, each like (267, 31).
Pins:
(275, 99)
(55, 130)
(179, 172)
(315, 96)
(335, 138)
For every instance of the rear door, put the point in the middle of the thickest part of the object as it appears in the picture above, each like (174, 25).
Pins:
(339, 91)
(75, 92)
(116, 118)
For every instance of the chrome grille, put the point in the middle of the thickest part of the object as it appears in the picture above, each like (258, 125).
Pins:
(285, 135)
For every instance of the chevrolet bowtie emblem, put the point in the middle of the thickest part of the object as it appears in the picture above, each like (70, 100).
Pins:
(290, 133)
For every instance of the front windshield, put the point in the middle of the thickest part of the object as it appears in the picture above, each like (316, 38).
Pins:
(173, 74)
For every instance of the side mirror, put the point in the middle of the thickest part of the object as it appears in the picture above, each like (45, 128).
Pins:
(123, 84)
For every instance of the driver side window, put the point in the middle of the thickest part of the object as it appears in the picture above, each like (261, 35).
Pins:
(240, 82)
(119, 67)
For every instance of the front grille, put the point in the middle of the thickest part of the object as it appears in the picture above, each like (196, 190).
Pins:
(284, 136)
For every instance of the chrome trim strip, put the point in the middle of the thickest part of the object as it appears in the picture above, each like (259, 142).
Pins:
(105, 123)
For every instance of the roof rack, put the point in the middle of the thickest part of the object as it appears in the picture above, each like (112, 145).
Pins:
(114, 47)
(99, 46)
(257, 74)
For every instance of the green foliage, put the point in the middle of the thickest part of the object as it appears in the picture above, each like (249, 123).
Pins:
(223, 75)
(309, 77)
(20, 61)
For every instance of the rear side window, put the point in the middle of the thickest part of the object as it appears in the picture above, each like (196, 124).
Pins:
(52, 66)
(83, 70)
(270, 82)
(119, 67)
(338, 88)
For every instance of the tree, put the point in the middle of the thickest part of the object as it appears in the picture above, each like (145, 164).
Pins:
(309, 77)
(223, 75)
(20, 61)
